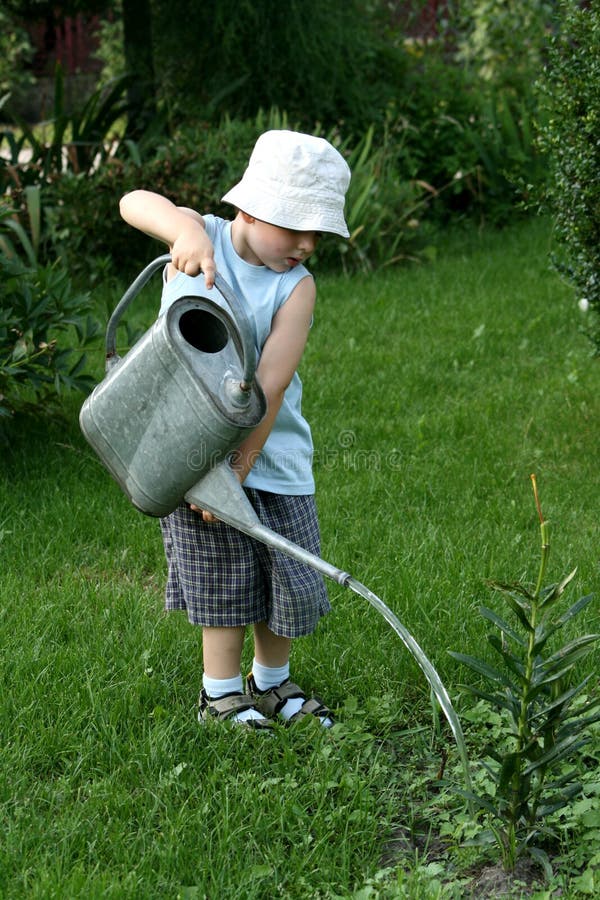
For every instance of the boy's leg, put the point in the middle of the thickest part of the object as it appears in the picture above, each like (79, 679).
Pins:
(221, 651)
(270, 649)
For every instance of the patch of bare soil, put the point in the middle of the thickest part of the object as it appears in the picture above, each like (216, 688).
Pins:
(494, 881)
(491, 882)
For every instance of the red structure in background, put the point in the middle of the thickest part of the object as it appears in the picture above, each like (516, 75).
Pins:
(72, 41)
(429, 17)
(418, 18)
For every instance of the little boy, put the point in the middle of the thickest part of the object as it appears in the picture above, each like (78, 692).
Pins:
(291, 192)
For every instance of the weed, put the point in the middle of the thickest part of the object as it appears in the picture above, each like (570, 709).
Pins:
(546, 716)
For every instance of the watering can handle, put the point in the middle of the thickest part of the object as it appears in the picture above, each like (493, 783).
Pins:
(240, 316)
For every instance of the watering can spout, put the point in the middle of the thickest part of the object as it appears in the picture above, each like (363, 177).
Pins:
(220, 493)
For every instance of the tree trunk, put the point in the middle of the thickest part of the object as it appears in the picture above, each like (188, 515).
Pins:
(139, 61)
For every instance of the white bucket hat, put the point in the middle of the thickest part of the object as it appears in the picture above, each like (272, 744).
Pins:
(296, 181)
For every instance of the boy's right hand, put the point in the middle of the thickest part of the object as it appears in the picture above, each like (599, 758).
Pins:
(193, 252)
(181, 228)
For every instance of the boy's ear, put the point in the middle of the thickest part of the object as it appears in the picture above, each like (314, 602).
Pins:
(249, 220)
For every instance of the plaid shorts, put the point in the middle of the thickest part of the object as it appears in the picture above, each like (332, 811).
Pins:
(222, 577)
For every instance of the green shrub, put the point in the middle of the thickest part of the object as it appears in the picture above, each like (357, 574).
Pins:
(78, 141)
(571, 91)
(383, 208)
(502, 41)
(15, 52)
(192, 168)
(320, 61)
(509, 170)
(44, 324)
(197, 165)
(472, 141)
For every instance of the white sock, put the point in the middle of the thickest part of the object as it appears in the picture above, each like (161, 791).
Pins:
(219, 687)
(267, 677)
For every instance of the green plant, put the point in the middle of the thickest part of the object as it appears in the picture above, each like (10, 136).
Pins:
(319, 61)
(193, 168)
(28, 239)
(508, 166)
(37, 304)
(383, 209)
(570, 91)
(471, 109)
(545, 722)
(110, 49)
(78, 141)
(503, 42)
(15, 50)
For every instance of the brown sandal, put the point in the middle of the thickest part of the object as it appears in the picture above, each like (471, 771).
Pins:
(223, 708)
(272, 701)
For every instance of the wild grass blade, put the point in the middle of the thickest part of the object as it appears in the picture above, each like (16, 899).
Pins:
(33, 193)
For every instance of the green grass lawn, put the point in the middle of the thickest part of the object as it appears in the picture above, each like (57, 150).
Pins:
(434, 392)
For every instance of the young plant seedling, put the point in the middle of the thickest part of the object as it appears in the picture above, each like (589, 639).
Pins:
(547, 716)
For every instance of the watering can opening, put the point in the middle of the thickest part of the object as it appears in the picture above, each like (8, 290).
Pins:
(203, 330)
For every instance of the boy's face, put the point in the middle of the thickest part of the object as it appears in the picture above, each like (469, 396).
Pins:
(278, 248)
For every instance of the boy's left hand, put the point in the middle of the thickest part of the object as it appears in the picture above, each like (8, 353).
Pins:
(206, 515)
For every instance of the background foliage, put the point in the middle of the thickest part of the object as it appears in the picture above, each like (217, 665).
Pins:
(321, 62)
(432, 104)
(571, 138)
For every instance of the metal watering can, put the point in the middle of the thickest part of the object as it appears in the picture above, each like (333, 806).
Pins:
(180, 400)
(169, 412)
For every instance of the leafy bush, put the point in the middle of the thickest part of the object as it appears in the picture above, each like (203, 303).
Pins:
(509, 169)
(197, 165)
(472, 141)
(571, 91)
(192, 168)
(383, 209)
(15, 50)
(78, 141)
(503, 43)
(320, 61)
(37, 307)
(64, 155)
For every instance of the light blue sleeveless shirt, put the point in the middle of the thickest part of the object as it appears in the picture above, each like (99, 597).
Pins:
(285, 462)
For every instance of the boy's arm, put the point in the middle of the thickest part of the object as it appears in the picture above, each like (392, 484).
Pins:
(279, 360)
(181, 228)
